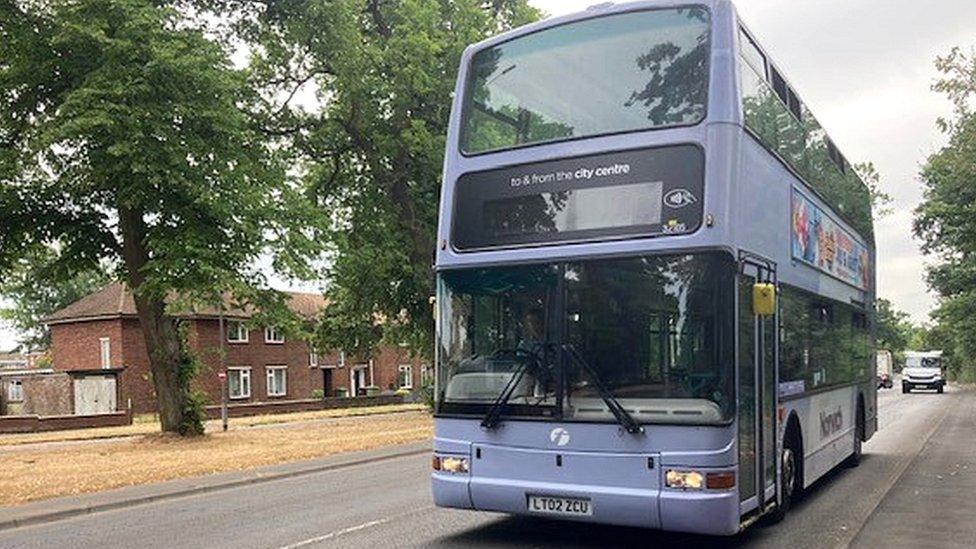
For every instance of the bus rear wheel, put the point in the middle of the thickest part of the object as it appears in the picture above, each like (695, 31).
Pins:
(855, 458)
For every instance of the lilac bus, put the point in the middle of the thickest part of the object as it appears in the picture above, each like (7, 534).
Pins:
(655, 277)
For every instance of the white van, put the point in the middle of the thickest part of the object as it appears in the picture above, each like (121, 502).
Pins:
(923, 370)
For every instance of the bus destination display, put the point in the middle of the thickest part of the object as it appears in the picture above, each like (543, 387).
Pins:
(628, 194)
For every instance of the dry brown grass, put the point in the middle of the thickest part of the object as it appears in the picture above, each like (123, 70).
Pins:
(146, 424)
(29, 475)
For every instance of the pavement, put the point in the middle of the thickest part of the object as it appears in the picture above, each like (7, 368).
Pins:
(915, 488)
(933, 504)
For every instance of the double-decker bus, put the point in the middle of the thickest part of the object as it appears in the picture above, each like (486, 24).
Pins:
(655, 277)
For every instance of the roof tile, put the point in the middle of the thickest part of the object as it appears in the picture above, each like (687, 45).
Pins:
(114, 300)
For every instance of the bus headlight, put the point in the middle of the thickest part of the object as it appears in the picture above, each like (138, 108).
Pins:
(450, 464)
(694, 480)
(684, 480)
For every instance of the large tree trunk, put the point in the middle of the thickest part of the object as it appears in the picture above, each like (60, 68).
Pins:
(159, 331)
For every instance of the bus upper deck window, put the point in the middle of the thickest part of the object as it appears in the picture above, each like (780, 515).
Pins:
(633, 71)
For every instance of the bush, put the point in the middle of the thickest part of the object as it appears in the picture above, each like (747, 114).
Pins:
(193, 400)
(965, 374)
(427, 396)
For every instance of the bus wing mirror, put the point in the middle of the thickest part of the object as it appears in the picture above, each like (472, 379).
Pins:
(763, 299)
(432, 300)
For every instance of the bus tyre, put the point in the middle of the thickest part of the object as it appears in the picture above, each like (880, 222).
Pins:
(904, 388)
(940, 389)
(855, 458)
(789, 477)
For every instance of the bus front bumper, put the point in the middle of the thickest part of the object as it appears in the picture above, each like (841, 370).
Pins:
(700, 512)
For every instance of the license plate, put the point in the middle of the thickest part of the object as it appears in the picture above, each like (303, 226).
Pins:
(553, 505)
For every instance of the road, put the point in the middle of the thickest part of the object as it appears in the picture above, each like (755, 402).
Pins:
(914, 488)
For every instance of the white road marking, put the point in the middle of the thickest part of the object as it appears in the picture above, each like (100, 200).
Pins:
(351, 529)
(337, 533)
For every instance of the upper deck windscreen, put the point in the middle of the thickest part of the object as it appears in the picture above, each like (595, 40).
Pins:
(633, 71)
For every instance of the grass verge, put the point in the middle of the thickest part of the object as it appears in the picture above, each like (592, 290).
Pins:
(146, 424)
(30, 475)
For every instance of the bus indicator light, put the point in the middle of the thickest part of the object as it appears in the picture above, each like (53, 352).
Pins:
(720, 481)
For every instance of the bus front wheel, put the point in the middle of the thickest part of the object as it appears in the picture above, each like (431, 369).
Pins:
(789, 475)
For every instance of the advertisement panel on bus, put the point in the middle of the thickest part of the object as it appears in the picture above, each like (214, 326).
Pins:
(817, 240)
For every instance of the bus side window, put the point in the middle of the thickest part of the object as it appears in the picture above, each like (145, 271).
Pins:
(752, 54)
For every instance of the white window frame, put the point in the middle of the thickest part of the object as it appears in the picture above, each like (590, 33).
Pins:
(408, 368)
(269, 379)
(313, 357)
(426, 375)
(105, 352)
(273, 335)
(236, 331)
(15, 390)
(245, 373)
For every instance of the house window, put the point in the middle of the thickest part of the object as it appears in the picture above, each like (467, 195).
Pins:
(405, 376)
(426, 375)
(313, 358)
(273, 335)
(15, 391)
(277, 381)
(236, 332)
(106, 350)
(239, 382)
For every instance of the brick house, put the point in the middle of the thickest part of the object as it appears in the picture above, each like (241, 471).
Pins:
(28, 386)
(98, 342)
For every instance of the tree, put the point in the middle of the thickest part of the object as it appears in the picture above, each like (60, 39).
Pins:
(372, 148)
(127, 140)
(31, 301)
(945, 221)
(894, 329)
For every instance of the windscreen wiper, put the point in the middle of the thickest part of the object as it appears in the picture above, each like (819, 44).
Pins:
(495, 411)
(624, 418)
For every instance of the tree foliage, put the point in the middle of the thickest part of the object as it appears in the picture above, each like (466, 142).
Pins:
(34, 289)
(894, 329)
(945, 221)
(129, 139)
(371, 144)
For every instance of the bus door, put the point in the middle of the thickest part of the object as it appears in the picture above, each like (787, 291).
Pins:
(757, 383)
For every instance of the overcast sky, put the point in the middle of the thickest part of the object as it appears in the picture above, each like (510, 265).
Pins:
(864, 67)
